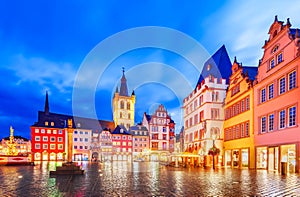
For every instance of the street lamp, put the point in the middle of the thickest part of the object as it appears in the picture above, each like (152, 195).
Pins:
(214, 149)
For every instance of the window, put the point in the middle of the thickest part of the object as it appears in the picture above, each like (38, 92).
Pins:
(129, 116)
(164, 129)
(242, 130)
(191, 121)
(196, 119)
(37, 146)
(124, 143)
(242, 105)
(271, 91)
(45, 146)
(247, 103)
(128, 106)
(272, 63)
(263, 124)
(37, 138)
(292, 80)
(75, 139)
(80, 147)
(271, 122)
(45, 139)
(292, 116)
(52, 139)
(282, 85)
(81, 132)
(214, 114)
(36, 130)
(54, 131)
(282, 119)
(247, 129)
(279, 58)
(80, 139)
(60, 132)
(86, 139)
(52, 146)
(121, 115)
(201, 116)
(75, 147)
(43, 131)
(59, 139)
(122, 105)
(52, 124)
(46, 123)
(263, 95)
(60, 146)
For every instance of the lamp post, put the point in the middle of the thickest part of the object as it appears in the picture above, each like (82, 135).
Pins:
(213, 154)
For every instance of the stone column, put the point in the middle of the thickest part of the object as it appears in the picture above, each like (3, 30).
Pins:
(70, 140)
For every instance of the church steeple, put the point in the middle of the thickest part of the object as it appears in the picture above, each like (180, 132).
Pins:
(46, 109)
(123, 88)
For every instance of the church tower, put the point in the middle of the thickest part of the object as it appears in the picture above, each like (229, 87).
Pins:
(123, 105)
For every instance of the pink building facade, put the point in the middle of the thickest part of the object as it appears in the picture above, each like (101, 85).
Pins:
(276, 101)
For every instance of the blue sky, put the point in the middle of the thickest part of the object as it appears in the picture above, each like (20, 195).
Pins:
(44, 46)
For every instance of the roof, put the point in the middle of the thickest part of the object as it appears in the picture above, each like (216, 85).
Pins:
(220, 66)
(138, 128)
(250, 71)
(17, 137)
(120, 129)
(123, 88)
(61, 121)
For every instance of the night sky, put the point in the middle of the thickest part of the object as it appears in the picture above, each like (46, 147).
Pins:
(64, 47)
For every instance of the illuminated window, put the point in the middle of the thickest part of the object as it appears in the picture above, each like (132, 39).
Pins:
(52, 124)
(46, 123)
(48, 131)
(36, 130)
(52, 146)
(37, 146)
(54, 131)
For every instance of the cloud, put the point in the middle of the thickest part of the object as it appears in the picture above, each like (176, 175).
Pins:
(243, 27)
(44, 72)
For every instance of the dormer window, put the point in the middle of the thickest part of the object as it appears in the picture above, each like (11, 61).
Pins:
(275, 49)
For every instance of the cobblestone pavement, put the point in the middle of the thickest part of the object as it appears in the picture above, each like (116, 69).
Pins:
(144, 179)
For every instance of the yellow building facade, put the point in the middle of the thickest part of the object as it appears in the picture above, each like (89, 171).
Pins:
(238, 127)
(123, 105)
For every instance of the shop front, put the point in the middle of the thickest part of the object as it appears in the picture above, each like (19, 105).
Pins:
(273, 157)
(237, 158)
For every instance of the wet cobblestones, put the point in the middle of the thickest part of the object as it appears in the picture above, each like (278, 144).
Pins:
(144, 179)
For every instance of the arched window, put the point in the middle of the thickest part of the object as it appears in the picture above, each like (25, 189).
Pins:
(122, 104)
(128, 105)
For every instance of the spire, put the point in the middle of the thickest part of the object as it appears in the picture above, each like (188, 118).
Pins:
(46, 109)
(117, 89)
(123, 88)
(288, 22)
(235, 59)
(276, 18)
(133, 93)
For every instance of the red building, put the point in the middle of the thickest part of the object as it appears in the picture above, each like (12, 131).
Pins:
(122, 144)
(48, 137)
